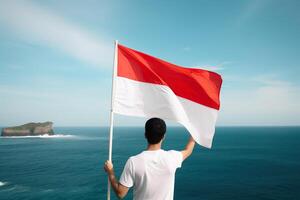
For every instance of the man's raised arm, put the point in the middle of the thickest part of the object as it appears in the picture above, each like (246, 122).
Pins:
(188, 149)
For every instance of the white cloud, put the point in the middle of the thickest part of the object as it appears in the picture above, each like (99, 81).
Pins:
(32, 22)
(77, 107)
(211, 68)
(271, 80)
(273, 102)
(217, 67)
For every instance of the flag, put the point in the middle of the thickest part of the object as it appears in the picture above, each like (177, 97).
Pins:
(150, 87)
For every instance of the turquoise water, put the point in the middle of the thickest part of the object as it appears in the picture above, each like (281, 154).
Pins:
(245, 163)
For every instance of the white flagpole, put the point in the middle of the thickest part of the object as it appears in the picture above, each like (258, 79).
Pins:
(114, 74)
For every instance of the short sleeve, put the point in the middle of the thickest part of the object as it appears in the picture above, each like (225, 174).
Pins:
(127, 177)
(176, 158)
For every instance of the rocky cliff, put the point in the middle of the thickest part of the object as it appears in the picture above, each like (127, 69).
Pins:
(29, 129)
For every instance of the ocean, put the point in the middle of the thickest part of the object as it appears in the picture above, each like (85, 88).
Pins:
(245, 163)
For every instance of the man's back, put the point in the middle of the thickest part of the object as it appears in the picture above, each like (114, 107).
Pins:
(152, 174)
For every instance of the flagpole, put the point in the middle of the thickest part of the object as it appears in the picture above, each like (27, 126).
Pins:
(114, 74)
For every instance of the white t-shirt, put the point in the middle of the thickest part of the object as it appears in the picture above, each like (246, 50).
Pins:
(152, 174)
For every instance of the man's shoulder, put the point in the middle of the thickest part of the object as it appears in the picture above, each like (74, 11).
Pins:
(137, 156)
(162, 152)
(143, 154)
(173, 151)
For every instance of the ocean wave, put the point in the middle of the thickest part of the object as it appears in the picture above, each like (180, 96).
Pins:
(43, 136)
(16, 188)
(2, 183)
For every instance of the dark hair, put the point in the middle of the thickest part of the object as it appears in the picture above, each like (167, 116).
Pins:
(155, 129)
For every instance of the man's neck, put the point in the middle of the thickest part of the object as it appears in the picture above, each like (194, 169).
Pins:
(153, 147)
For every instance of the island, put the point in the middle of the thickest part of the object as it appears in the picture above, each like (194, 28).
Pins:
(29, 129)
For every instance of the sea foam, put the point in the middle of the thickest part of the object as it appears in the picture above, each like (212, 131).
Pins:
(42, 136)
(2, 183)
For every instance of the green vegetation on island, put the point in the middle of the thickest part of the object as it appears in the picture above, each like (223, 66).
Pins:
(29, 129)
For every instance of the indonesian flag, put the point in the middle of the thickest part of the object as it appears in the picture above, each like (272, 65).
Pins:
(150, 87)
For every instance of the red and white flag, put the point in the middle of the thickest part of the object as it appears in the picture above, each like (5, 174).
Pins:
(150, 87)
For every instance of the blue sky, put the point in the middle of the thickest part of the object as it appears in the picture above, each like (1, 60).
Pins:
(56, 56)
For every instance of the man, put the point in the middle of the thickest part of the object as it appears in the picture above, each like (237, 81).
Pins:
(152, 172)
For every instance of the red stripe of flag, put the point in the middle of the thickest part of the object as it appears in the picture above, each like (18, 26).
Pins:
(197, 85)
